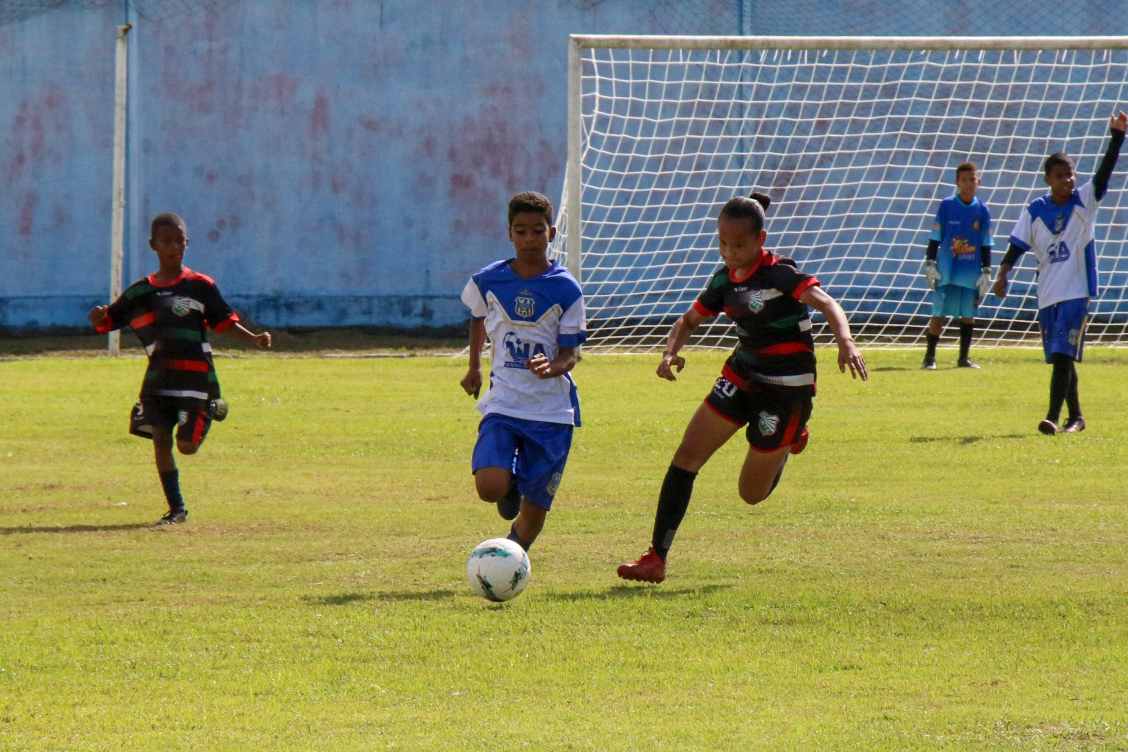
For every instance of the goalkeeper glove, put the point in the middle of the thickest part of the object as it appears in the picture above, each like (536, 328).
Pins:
(984, 282)
(931, 274)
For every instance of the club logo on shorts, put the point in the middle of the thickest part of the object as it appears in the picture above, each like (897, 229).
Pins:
(553, 484)
(182, 417)
(755, 301)
(768, 423)
(524, 306)
(1074, 336)
(181, 306)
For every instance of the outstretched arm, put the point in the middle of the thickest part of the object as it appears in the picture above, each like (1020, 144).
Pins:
(848, 353)
(262, 339)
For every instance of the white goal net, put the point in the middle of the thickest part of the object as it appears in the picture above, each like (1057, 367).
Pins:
(856, 140)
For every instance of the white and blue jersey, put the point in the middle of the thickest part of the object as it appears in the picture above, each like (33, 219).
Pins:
(524, 318)
(1063, 240)
(962, 230)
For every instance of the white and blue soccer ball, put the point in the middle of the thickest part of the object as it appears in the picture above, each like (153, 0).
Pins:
(498, 569)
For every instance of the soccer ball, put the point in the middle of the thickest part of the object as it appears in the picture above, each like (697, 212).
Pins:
(498, 569)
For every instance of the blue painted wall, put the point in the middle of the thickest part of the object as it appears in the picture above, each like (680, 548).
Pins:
(338, 163)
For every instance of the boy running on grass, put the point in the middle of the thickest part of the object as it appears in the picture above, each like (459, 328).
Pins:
(532, 310)
(171, 311)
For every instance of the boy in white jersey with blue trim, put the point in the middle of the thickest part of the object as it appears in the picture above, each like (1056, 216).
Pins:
(532, 311)
(957, 263)
(1059, 229)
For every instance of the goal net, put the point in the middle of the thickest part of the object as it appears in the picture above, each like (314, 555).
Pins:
(856, 140)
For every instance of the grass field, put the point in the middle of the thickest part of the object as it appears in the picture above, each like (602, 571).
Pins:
(932, 573)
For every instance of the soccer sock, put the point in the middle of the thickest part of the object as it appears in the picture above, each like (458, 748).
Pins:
(170, 481)
(673, 501)
(517, 538)
(1072, 399)
(1059, 384)
(933, 340)
(966, 330)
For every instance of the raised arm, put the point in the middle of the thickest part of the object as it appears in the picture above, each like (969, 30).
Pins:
(1117, 124)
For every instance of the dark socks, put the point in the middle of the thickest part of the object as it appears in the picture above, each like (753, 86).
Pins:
(170, 481)
(966, 330)
(1072, 400)
(517, 538)
(1063, 384)
(933, 340)
(673, 501)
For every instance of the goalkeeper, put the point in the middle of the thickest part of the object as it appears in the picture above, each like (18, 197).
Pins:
(957, 263)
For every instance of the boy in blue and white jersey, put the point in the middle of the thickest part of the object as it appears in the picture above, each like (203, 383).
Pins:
(532, 311)
(1059, 229)
(958, 263)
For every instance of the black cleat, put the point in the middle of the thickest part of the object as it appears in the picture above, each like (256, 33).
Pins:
(1074, 425)
(965, 363)
(173, 517)
(510, 504)
(1048, 427)
(929, 364)
(218, 409)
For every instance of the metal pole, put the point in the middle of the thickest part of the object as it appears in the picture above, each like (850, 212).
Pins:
(117, 200)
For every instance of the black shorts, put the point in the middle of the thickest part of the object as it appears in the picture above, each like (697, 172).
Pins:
(192, 417)
(776, 416)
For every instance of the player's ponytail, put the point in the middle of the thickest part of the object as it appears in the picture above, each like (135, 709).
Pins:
(751, 209)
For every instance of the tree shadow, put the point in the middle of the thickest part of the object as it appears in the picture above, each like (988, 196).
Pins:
(964, 440)
(75, 528)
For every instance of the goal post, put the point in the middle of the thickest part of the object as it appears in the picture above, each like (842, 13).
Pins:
(856, 140)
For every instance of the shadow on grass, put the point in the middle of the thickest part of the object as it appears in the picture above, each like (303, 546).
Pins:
(966, 439)
(75, 528)
(344, 599)
(635, 591)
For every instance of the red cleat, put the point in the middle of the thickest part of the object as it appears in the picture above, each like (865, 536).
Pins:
(650, 568)
(801, 443)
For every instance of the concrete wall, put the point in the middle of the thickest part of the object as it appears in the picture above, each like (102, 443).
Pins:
(338, 163)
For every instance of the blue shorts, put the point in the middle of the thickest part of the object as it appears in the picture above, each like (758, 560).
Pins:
(541, 451)
(1063, 328)
(953, 300)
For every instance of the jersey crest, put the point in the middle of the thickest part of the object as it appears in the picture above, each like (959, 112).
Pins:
(525, 306)
(755, 301)
(181, 306)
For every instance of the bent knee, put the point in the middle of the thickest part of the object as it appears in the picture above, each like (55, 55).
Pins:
(754, 496)
(186, 447)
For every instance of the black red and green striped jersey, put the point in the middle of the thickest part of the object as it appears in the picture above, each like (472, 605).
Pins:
(773, 326)
(172, 320)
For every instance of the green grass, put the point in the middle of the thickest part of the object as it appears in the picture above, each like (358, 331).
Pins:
(932, 574)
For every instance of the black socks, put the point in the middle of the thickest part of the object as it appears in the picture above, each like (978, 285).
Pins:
(673, 501)
(170, 481)
(1063, 388)
(966, 330)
